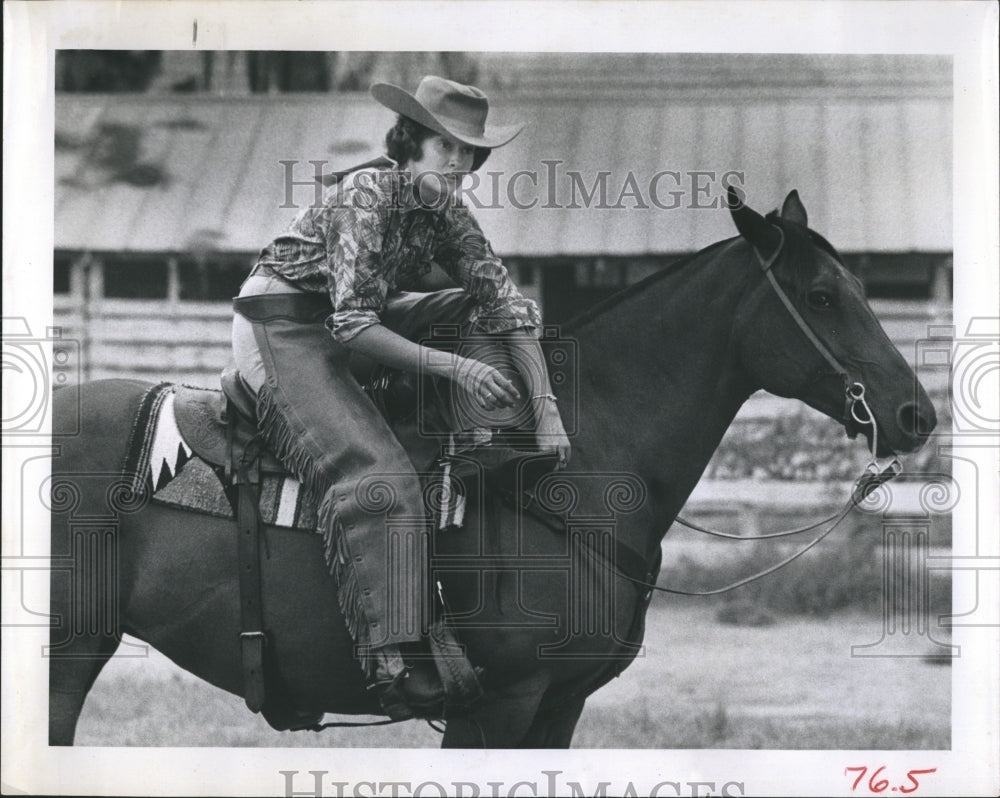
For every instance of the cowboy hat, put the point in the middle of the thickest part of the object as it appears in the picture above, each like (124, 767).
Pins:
(447, 107)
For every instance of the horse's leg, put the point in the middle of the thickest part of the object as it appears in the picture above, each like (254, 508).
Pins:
(75, 659)
(85, 470)
(69, 682)
(554, 728)
(502, 721)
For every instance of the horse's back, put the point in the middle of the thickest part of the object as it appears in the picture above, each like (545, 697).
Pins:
(91, 423)
(91, 428)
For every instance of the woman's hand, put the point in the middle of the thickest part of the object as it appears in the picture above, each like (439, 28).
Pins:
(485, 384)
(550, 433)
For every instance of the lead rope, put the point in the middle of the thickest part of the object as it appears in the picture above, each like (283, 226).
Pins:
(874, 475)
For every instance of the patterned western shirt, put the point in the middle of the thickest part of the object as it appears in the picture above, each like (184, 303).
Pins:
(372, 235)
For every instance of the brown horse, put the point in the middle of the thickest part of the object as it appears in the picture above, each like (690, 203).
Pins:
(545, 597)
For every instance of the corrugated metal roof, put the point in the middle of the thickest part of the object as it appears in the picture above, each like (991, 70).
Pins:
(592, 74)
(155, 173)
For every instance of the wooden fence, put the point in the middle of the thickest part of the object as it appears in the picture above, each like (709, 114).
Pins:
(187, 341)
(154, 340)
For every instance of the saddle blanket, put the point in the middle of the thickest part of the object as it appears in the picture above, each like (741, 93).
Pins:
(282, 501)
(161, 463)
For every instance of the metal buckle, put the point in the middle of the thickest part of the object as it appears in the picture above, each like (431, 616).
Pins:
(874, 477)
(856, 397)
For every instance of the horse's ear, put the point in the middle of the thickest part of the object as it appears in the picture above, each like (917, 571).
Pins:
(793, 210)
(752, 226)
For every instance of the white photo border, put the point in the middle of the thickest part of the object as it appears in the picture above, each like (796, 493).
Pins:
(32, 33)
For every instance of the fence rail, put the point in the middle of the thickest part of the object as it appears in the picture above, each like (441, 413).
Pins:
(189, 342)
(186, 341)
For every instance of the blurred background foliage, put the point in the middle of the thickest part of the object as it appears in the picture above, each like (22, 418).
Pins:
(801, 446)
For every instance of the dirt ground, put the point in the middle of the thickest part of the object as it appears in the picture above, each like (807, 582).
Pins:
(698, 684)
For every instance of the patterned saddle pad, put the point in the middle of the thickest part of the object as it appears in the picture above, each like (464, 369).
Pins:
(196, 487)
(183, 468)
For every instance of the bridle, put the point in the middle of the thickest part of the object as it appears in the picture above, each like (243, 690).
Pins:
(854, 390)
(856, 410)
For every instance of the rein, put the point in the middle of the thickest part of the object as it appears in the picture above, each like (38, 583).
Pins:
(631, 563)
(627, 560)
(856, 409)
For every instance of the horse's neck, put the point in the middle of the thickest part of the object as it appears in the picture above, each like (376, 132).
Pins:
(659, 385)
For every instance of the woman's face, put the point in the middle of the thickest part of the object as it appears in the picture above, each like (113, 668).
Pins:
(439, 170)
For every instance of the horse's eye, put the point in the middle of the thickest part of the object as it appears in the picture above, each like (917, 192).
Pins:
(821, 299)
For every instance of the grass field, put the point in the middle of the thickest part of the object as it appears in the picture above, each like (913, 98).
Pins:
(700, 684)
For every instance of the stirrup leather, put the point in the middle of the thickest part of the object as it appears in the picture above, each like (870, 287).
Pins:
(461, 681)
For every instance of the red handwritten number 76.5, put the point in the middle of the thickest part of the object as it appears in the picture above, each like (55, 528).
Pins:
(882, 784)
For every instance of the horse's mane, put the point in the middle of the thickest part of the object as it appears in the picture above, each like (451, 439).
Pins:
(798, 239)
(616, 299)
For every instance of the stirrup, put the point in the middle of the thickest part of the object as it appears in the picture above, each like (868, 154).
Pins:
(414, 692)
(439, 684)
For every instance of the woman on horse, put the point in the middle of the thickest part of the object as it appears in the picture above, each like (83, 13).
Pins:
(334, 283)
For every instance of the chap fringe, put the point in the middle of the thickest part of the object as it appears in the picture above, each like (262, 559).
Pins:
(283, 442)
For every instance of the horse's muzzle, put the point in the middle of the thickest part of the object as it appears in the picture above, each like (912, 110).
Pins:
(915, 421)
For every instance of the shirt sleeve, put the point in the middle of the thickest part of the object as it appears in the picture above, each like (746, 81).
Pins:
(355, 280)
(467, 257)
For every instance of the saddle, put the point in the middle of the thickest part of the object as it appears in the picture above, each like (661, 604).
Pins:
(221, 429)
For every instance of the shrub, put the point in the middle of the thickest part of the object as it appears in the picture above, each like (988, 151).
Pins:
(799, 446)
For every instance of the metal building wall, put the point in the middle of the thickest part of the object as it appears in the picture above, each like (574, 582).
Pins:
(154, 174)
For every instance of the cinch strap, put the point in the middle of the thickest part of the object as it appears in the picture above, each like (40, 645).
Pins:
(252, 638)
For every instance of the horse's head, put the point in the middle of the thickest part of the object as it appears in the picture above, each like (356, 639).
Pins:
(806, 331)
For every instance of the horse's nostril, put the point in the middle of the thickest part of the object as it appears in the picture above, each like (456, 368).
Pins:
(915, 419)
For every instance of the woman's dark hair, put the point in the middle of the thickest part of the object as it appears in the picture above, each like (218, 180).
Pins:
(404, 142)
